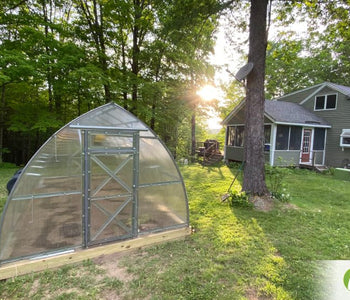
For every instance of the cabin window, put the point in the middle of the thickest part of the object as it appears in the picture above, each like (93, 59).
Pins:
(288, 137)
(319, 135)
(326, 102)
(345, 138)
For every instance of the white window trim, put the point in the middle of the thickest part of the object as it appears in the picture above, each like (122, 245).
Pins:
(325, 102)
(344, 133)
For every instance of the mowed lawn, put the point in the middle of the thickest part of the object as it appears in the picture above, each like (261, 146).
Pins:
(234, 253)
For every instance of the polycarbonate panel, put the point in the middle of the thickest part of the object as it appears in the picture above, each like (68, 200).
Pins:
(161, 207)
(110, 219)
(46, 198)
(110, 115)
(40, 225)
(156, 165)
(102, 183)
(109, 141)
(55, 168)
(110, 180)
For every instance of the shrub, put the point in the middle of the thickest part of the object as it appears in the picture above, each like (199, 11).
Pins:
(277, 187)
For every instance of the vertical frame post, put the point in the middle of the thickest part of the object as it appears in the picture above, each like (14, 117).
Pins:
(86, 189)
(135, 186)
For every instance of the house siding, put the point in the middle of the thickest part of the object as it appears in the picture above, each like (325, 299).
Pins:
(339, 119)
(286, 158)
(234, 153)
(237, 154)
(298, 97)
(239, 117)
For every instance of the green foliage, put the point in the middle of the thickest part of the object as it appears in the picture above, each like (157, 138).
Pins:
(59, 59)
(276, 182)
(235, 253)
(240, 199)
(292, 55)
(7, 170)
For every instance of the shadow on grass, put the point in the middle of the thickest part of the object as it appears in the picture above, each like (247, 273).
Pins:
(228, 257)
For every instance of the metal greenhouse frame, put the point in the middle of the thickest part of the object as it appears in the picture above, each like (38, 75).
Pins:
(103, 177)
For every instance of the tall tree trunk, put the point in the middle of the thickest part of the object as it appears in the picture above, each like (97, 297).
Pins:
(96, 25)
(135, 54)
(124, 71)
(254, 171)
(2, 120)
(48, 55)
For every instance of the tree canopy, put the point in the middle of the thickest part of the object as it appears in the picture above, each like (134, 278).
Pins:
(61, 58)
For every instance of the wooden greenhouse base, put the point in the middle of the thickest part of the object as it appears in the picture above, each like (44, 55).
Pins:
(39, 264)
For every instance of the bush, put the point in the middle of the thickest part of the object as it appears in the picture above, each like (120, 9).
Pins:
(275, 176)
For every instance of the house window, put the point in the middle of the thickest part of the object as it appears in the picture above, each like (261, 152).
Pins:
(326, 102)
(288, 137)
(319, 135)
(345, 138)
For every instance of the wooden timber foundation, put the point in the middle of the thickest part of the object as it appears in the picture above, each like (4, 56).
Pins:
(317, 168)
(42, 263)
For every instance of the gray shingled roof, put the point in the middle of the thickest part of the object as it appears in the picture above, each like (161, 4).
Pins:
(340, 88)
(291, 113)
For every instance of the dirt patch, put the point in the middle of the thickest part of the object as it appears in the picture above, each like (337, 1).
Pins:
(290, 206)
(34, 289)
(263, 203)
(110, 263)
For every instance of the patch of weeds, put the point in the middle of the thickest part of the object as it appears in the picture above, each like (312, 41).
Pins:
(329, 171)
(239, 199)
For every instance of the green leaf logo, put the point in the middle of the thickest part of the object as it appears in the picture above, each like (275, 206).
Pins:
(346, 279)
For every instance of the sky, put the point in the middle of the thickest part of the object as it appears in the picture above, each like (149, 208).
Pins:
(226, 57)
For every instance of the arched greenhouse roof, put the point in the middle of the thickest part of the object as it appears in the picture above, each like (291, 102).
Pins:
(103, 177)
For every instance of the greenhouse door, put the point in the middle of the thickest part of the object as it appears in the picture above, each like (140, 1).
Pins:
(110, 185)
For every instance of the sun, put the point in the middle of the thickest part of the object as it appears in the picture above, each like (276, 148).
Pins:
(208, 92)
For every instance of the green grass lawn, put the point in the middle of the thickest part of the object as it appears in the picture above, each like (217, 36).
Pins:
(235, 253)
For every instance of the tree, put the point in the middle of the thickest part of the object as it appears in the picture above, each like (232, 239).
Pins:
(254, 171)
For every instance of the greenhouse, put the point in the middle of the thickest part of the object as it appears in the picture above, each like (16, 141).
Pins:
(103, 177)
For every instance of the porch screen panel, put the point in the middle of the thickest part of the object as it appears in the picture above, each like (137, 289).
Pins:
(282, 137)
(239, 136)
(295, 138)
(319, 136)
(267, 134)
(231, 133)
